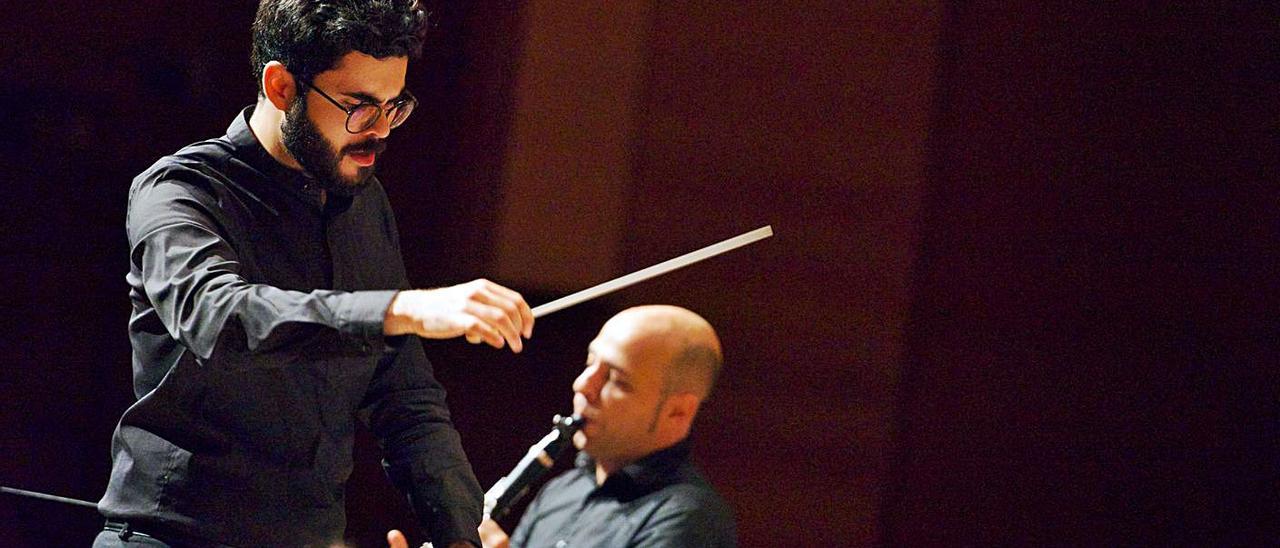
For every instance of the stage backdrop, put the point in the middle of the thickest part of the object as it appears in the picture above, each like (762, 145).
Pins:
(1015, 295)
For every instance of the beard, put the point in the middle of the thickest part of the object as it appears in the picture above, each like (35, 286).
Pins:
(317, 155)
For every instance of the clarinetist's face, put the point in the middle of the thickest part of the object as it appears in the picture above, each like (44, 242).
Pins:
(619, 393)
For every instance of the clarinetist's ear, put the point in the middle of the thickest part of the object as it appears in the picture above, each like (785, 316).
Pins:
(682, 407)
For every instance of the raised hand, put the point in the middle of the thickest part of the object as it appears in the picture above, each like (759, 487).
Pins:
(480, 310)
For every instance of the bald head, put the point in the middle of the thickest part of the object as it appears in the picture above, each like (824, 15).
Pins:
(647, 373)
(679, 341)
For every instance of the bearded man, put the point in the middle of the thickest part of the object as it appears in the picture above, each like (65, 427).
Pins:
(271, 310)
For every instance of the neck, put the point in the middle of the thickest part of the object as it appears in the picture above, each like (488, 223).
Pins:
(605, 468)
(265, 124)
(603, 471)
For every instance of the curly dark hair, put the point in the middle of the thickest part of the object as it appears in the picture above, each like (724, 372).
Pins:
(309, 36)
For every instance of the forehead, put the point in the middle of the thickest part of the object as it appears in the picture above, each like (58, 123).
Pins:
(359, 72)
(628, 347)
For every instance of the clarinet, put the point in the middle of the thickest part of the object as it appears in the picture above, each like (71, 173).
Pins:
(541, 457)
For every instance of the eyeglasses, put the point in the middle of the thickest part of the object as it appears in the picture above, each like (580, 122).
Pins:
(364, 115)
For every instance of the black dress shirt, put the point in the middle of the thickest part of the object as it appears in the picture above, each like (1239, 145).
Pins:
(660, 500)
(257, 342)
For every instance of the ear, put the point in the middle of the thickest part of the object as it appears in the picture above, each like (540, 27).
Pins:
(278, 85)
(682, 407)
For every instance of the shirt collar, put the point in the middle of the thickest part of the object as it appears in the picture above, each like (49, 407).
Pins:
(250, 150)
(646, 475)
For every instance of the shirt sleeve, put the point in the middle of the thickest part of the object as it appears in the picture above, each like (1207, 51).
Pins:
(422, 452)
(405, 409)
(192, 276)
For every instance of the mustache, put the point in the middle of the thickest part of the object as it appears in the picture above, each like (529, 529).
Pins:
(375, 146)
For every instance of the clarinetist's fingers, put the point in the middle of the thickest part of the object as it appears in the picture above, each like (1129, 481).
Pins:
(492, 535)
(396, 539)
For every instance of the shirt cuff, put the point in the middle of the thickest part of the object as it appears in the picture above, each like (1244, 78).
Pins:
(449, 525)
(361, 315)
(449, 505)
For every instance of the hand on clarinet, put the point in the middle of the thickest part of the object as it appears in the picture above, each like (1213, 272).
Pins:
(492, 535)
(480, 310)
(396, 539)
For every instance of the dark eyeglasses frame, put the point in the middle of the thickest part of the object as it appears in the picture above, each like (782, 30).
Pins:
(397, 112)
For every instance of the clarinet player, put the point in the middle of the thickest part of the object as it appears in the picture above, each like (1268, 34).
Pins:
(646, 375)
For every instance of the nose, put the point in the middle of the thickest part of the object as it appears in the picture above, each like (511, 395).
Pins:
(381, 128)
(589, 382)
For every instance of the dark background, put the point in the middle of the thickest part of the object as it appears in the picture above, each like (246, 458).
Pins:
(1022, 289)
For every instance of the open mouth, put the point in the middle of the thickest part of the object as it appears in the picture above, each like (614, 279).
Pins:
(363, 159)
(366, 153)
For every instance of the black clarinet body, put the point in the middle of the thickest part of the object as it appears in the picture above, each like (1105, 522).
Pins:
(509, 489)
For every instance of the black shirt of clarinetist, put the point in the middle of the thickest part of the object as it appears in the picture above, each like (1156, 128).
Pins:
(257, 312)
(660, 500)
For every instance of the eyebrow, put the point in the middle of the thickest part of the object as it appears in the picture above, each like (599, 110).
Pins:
(606, 363)
(367, 98)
